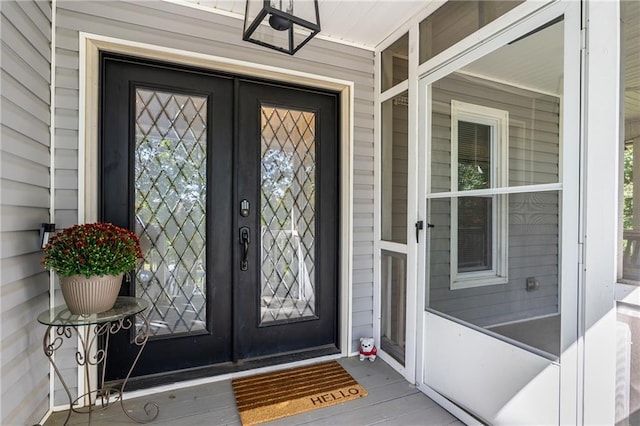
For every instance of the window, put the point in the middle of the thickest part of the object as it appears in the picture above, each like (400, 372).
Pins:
(455, 20)
(394, 197)
(630, 15)
(395, 63)
(394, 168)
(505, 185)
(479, 139)
(393, 280)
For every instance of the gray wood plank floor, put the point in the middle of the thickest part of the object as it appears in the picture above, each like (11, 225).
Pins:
(391, 401)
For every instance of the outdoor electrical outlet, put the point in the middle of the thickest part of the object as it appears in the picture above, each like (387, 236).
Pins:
(532, 284)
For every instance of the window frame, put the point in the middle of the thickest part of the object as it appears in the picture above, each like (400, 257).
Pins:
(627, 267)
(498, 121)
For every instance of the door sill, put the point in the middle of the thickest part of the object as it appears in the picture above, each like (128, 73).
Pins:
(149, 381)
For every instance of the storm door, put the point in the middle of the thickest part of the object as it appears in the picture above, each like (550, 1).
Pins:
(232, 187)
(500, 179)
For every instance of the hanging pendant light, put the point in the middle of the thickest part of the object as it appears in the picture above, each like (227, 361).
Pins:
(278, 25)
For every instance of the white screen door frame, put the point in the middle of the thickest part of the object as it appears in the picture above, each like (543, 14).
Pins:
(516, 375)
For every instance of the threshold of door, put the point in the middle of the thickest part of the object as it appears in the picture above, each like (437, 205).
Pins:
(228, 369)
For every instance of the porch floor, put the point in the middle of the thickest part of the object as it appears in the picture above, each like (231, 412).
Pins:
(391, 401)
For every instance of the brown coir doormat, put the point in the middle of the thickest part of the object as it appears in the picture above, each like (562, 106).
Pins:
(270, 396)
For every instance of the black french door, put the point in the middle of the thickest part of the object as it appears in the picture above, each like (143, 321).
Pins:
(232, 186)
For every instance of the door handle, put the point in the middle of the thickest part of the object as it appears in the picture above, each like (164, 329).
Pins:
(419, 227)
(244, 241)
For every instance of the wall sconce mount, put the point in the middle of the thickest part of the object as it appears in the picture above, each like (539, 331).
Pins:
(46, 229)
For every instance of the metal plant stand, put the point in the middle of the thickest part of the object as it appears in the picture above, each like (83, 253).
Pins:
(63, 325)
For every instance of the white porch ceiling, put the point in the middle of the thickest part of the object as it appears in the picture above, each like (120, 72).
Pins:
(364, 23)
(534, 62)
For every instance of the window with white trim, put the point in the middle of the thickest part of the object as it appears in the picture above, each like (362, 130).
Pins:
(479, 165)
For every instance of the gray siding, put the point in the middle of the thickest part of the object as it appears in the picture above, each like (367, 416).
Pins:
(178, 27)
(24, 204)
(533, 224)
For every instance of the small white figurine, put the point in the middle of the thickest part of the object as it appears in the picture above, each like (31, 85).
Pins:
(368, 349)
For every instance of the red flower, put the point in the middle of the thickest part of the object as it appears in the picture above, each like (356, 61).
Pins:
(92, 249)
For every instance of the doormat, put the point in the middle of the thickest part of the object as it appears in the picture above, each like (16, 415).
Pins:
(271, 396)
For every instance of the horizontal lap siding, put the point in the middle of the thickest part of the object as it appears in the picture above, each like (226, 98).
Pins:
(533, 218)
(179, 27)
(24, 204)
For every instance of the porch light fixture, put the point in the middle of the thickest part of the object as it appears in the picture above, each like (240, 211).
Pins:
(279, 25)
(46, 229)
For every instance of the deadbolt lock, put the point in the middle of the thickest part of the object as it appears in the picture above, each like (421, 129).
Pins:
(244, 208)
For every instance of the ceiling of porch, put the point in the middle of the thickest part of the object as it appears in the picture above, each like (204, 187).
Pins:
(364, 23)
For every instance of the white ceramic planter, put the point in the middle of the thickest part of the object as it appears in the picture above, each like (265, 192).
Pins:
(85, 296)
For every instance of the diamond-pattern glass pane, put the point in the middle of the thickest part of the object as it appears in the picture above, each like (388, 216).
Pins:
(170, 208)
(288, 170)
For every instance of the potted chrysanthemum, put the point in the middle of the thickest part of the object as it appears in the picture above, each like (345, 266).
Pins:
(90, 260)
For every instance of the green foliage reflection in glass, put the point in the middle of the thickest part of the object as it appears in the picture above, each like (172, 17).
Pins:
(628, 187)
(170, 207)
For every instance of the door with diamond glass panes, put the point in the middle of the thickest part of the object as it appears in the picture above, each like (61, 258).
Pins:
(232, 187)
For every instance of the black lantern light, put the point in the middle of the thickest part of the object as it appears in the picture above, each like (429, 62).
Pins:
(279, 25)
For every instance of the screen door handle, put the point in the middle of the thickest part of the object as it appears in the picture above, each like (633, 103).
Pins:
(244, 240)
(419, 227)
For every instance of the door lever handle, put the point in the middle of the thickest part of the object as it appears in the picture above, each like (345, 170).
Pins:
(245, 239)
(419, 227)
